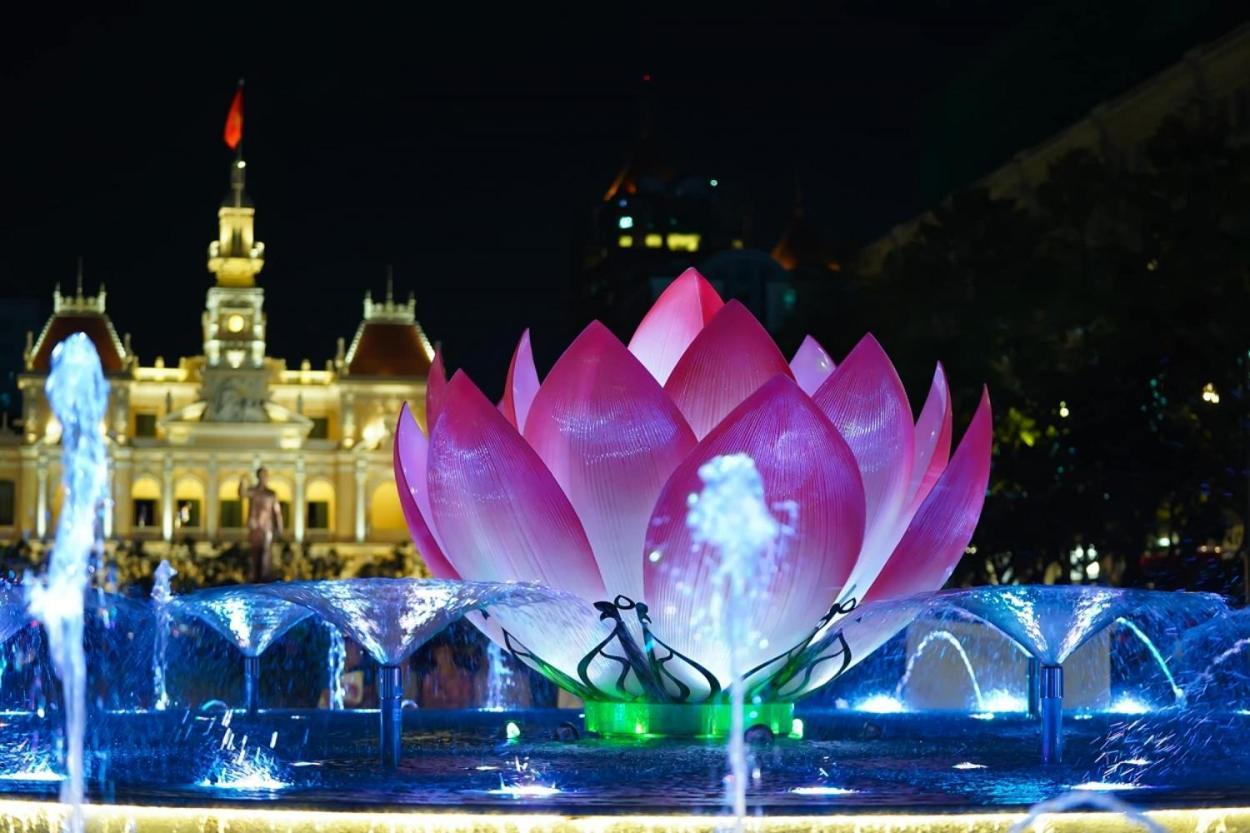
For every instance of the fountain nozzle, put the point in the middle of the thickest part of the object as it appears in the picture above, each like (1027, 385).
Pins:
(1050, 685)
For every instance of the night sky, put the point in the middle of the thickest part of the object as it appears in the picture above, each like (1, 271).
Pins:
(467, 151)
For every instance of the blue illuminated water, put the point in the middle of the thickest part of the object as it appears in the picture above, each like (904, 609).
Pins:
(462, 759)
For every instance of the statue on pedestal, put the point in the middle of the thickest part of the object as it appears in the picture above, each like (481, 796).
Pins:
(264, 523)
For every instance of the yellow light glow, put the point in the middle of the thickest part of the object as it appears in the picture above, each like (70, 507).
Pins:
(47, 817)
(52, 431)
(373, 433)
(1064, 413)
(653, 241)
(235, 323)
(1209, 394)
(678, 242)
(625, 241)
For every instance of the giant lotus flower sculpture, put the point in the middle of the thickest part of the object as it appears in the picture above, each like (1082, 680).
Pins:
(581, 482)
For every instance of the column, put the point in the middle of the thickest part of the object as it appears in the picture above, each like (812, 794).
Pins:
(167, 498)
(349, 420)
(110, 500)
(123, 479)
(41, 496)
(299, 509)
(212, 502)
(362, 475)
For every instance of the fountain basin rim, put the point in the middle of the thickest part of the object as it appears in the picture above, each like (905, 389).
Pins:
(46, 817)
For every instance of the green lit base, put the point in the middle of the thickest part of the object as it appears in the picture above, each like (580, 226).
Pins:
(686, 721)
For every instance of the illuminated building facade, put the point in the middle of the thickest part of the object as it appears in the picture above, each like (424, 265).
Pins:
(182, 436)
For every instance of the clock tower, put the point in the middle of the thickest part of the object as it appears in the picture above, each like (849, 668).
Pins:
(235, 378)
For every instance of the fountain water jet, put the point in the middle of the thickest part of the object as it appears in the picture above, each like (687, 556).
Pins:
(78, 395)
(945, 636)
(730, 516)
(498, 679)
(392, 617)
(1177, 692)
(250, 619)
(336, 660)
(161, 597)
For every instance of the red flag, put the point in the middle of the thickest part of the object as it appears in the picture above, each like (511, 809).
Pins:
(233, 133)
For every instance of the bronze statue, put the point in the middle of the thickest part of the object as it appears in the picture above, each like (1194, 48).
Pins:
(264, 523)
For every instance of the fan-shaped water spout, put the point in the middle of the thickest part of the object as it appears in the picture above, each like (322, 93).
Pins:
(392, 617)
(250, 619)
(1051, 622)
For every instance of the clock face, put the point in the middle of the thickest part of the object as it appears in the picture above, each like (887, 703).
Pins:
(235, 323)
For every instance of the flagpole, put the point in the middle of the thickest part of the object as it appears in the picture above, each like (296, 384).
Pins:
(239, 148)
(237, 175)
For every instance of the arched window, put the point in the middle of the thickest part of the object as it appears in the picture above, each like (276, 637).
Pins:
(8, 502)
(188, 504)
(229, 507)
(320, 505)
(145, 501)
(385, 514)
(283, 490)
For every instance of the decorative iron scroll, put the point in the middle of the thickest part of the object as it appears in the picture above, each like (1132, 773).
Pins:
(648, 672)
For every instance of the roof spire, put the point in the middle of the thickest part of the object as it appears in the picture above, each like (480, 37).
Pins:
(78, 285)
(390, 284)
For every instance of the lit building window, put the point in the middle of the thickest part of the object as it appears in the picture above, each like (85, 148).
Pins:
(678, 242)
(145, 424)
(235, 323)
(8, 502)
(626, 222)
(318, 514)
(653, 241)
(230, 513)
(625, 241)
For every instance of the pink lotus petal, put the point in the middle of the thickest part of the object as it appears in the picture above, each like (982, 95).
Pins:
(409, 453)
(944, 524)
(727, 362)
(498, 510)
(611, 436)
(933, 438)
(867, 404)
(811, 365)
(435, 385)
(804, 464)
(521, 384)
(676, 317)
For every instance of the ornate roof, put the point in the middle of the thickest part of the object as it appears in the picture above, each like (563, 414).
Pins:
(389, 341)
(78, 314)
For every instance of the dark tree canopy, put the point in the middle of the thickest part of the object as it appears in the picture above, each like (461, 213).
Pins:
(1109, 319)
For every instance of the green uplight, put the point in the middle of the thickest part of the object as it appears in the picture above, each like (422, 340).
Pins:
(705, 720)
(796, 728)
(512, 730)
